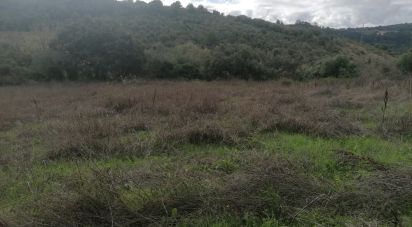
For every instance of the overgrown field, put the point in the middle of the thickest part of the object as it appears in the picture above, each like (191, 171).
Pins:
(320, 153)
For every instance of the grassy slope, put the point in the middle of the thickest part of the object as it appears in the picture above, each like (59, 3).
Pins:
(234, 172)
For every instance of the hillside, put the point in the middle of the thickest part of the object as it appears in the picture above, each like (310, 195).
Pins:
(395, 38)
(108, 40)
(135, 114)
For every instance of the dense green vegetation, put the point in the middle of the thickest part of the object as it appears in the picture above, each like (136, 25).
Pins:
(339, 67)
(405, 62)
(394, 38)
(47, 40)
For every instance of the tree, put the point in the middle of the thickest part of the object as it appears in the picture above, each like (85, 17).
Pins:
(190, 6)
(339, 67)
(14, 64)
(177, 5)
(96, 50)
(237, 61)
(202, 9)
(156, 4)
(405, 62)
(216, 13)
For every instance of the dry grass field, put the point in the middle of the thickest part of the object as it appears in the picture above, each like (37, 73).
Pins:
(320, 153)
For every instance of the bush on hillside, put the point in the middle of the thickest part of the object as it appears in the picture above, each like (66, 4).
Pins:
(405, 62)
(338, 67)
(185, 61)
(14, 64)
(99, 50)
(239, 61)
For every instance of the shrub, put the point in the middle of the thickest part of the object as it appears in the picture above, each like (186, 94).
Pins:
(405, 62)
(237, 62)
(339, 67)
(14, 64)
(99, 50)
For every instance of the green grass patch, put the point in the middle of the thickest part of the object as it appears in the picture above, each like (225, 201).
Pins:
(23, 185)
(320, 155)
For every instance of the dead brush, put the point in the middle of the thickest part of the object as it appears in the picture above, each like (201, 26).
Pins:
(289, 100)
(269, 186)
(296, 113)
(86, 138)
(203, 104)
(3, 121)
(199, 132)
(314, 121)
(385, 194)
(17, 156)
(328, 92)
(104, 200)
(124, 110)
(400, 125)
(345, 104)
(37, 108)
(136, 124)
(111, 198)
(91, 203)
(121, 104)
(79, 124)
(350, 161)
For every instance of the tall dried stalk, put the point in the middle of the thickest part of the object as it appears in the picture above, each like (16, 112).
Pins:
(154, 97)
(385, 106)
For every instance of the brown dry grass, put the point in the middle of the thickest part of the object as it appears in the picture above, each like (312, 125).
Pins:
(43, 124)
(383, 195)
(90, 120)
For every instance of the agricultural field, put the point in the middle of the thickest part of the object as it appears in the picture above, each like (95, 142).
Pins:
(226, 153)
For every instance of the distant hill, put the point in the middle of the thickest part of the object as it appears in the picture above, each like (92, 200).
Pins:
(395, 38)
(111, 40)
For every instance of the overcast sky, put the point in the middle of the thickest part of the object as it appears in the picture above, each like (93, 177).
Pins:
(332, 13)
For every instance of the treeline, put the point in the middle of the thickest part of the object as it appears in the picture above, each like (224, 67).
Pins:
(394, 38)
(47, 40)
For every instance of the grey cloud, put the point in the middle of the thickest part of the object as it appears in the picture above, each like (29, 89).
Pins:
(332, 13)
(340, 13)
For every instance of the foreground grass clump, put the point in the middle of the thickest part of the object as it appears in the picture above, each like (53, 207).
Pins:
(110, 197)
(204, 154)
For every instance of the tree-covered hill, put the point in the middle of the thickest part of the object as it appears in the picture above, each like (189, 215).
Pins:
(111, 40)
(395, 38)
